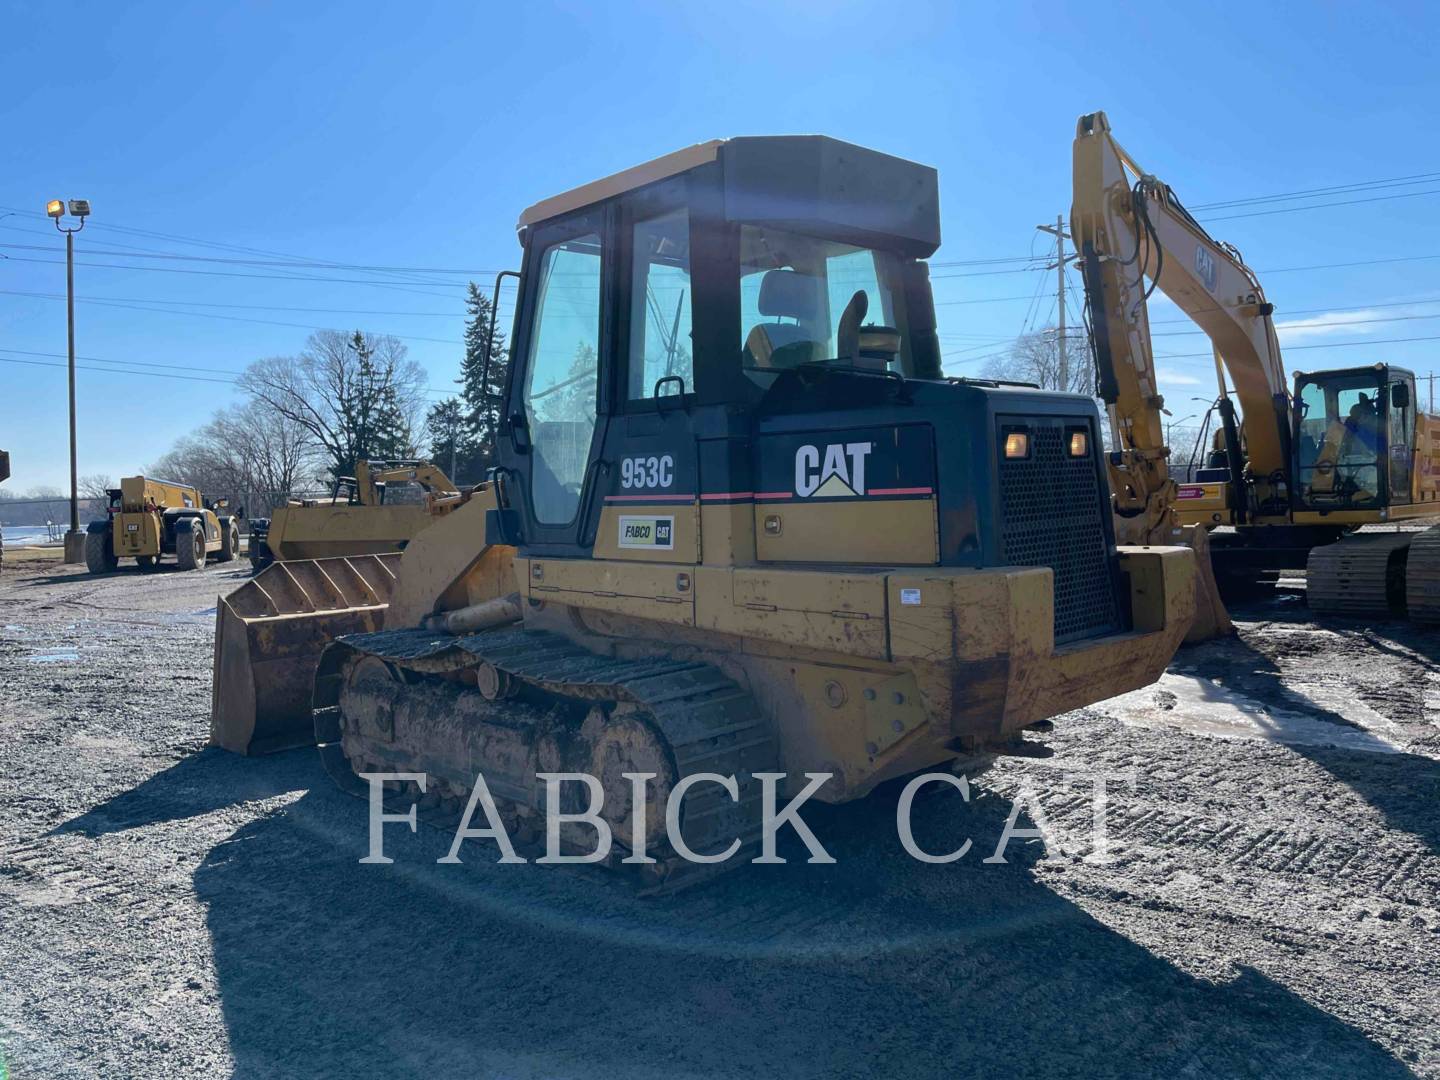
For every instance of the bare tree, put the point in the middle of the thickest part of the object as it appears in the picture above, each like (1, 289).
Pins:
(249, 452)
(357, 394)
(1035, 358)
(95, 493)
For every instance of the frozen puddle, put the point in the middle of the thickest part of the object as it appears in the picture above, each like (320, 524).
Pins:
(1197, 705)
(54, 656)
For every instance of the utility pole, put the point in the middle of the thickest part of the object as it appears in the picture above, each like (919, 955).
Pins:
(1058, 230)
(55, 209)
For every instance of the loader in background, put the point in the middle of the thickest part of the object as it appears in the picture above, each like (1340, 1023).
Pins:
(146, 519)
(357, 518)
(741, 523)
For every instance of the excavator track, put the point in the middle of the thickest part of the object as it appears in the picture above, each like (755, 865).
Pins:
(1422, 577)
(705, 721)
(1361, 576)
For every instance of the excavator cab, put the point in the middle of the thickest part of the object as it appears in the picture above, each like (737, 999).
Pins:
(1354, 438)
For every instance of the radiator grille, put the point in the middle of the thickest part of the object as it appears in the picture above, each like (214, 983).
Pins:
(1053, 511)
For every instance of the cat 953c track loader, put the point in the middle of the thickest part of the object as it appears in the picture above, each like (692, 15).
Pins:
(742, 523)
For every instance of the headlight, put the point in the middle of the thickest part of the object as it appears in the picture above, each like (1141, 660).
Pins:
(1079, 444)
(1017, 444)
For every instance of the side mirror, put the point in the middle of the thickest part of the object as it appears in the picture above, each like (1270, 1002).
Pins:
(1400, 396)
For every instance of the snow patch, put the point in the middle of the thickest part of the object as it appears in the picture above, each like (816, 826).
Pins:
(1203, 707)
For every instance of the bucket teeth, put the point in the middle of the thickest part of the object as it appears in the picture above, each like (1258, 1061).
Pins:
(269, 634)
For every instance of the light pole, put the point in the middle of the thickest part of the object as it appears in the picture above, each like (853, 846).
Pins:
(79, 209)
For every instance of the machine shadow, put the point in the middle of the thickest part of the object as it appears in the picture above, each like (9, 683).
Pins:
(875, 966)
(1404, 787)
(197, 784)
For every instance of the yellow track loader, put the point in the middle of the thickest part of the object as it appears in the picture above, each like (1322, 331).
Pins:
(146, 519)
(742, 523)
(1294, 475)
(357, 518)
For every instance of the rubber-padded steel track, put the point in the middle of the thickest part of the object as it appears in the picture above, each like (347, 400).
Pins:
(1422, 577)
(708, 722)
(1360, 576)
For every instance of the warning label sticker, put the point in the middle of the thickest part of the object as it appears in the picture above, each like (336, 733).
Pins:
(655, 533)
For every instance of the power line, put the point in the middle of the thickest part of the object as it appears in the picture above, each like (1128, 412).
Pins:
(1322, 206)
(301, 265)
(230, 273)
(128, 365)
(1353, 306)
(1318, 345)
(243, 307)
(1306, 193)
(244, 319)
(1281, 328)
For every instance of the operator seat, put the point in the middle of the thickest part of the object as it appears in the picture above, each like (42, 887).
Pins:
(779, 345)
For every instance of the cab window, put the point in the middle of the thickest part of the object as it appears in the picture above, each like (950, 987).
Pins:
(661, 360)
(797, 294)
(562, 375)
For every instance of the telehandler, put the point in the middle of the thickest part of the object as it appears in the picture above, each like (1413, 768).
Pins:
(149, 518)
(356, 519)
(741, 523)
(1295, 474)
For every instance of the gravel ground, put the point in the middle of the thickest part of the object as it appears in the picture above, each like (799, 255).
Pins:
(1270, 905)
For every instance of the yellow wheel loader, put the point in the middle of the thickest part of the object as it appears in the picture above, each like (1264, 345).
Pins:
(147, 518)
(356, 519)
(741, 524)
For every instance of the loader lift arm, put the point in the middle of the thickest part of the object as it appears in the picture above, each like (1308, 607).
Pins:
(370, 475)
(1130, 228)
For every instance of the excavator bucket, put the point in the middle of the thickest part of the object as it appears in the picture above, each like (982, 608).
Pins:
(269, 634)
(1211, 618)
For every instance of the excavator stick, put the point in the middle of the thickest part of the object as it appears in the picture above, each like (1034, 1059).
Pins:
(269, 635)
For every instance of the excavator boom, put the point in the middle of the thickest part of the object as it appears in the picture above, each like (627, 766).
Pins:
(1133, 237)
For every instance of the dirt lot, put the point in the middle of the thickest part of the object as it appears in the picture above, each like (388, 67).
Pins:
(1271, 907)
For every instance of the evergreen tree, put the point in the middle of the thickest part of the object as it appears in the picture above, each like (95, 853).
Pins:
(449, 446)
(482, 393)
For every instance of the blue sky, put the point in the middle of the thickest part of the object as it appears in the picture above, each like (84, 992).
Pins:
(411, 135)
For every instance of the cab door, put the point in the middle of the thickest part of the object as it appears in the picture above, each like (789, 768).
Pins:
(650, 474)
(1401, 433)
(556, 416)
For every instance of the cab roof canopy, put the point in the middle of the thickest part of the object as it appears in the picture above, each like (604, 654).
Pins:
(809, 183)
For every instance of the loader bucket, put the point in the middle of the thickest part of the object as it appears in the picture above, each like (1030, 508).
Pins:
(269, 634)
(1211, 618)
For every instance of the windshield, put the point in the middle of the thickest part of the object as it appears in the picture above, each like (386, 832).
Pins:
(803, 299)
(1339, 439)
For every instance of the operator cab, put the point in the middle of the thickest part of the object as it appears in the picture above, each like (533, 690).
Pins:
(1354, 437)
(728, 357)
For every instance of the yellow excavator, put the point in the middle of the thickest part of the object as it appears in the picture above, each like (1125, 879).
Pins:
(1293, 476)
(356, 519)
(741, 523)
